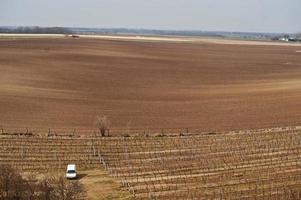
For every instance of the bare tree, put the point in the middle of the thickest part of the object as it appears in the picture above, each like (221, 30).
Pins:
(66, 190)
(46, 189)
(10, 182)
(102, 123)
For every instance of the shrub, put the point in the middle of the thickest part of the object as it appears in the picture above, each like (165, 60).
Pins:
(14, 187)
(102, 123)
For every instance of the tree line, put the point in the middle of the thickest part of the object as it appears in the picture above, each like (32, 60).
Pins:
(36, 29)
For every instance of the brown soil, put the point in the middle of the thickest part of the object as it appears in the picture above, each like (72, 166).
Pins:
(66, 82)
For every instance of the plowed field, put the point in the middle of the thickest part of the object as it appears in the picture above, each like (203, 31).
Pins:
(64, 82)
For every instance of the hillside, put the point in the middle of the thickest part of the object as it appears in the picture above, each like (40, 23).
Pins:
(67, 82)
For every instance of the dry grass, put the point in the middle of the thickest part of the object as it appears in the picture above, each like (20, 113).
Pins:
(100, 186)
(97, 183)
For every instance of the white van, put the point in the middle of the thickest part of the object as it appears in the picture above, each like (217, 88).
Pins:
(71, 171)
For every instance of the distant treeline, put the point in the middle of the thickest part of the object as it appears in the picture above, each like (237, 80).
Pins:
(36, 29)
(129, 31)
(220, 34)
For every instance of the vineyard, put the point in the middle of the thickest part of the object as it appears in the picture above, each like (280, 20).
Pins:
(262, 164)
(46, 154)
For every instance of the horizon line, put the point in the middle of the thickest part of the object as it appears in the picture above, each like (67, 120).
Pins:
(148, 29)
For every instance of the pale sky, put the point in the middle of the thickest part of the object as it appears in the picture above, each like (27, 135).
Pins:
(211, 15)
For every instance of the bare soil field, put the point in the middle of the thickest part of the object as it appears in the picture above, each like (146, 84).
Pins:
(65, 82)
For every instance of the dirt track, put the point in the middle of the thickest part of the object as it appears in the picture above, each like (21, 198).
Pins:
(66, 82)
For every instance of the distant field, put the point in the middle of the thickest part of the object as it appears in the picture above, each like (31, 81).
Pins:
(65, 82)
(159, 38)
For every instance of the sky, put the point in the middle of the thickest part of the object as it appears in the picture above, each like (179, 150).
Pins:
(211, 15)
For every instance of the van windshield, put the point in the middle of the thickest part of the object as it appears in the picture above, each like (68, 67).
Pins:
(71, 171)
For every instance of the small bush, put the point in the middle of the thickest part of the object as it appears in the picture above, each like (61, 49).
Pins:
(102, 123)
